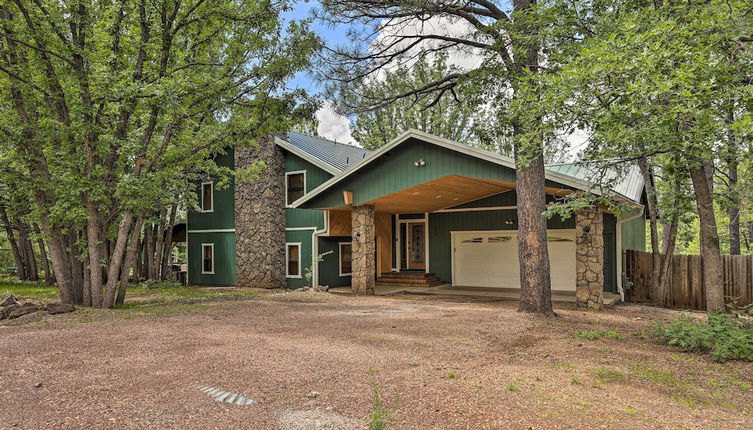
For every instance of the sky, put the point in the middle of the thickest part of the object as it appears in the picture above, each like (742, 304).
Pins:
(337, 127)
(331, 125)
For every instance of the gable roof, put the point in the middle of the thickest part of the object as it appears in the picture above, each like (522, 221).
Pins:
(563, 176)
(328, 155)
(629, 184)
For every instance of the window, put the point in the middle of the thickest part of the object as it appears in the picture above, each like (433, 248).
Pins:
(293, 257)
(346, 258)
(207, 197)
(207, 258)
(295, 186)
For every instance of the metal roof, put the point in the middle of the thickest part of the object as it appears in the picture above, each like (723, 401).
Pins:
(629, 183)
(338, 155)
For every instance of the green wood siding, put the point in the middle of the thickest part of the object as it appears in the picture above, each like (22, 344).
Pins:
(610, 253)
(395, 171)
(442, 223)
(329, 268)
(224, 259)
(304, 237)
(314, 177)
(223, 216)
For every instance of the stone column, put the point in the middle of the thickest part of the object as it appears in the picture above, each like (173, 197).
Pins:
(589, 229)
(260, 218)
(364, 249)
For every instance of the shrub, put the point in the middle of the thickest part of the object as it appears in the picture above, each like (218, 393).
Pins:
(724, 336)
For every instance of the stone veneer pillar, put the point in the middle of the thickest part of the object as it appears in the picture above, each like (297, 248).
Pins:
(363, 249)
(260, 218)
(589, 258)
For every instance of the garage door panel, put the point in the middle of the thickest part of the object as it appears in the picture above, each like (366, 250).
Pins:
(490, 259)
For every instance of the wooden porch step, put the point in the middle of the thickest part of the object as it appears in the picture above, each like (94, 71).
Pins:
(408, 279)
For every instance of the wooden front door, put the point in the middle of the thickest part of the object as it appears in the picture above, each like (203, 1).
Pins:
(416, 249)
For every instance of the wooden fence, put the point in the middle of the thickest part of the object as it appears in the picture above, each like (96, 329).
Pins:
(685, 289)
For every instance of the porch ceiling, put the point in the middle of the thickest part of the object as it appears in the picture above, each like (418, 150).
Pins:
(437, 194)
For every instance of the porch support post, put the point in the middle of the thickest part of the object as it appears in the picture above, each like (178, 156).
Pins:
(364, 250)
(589, 236)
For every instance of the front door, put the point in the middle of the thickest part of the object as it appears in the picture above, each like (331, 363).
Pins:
(416, 249)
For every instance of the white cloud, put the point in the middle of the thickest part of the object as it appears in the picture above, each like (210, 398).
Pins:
(465, 58)
(332, 125)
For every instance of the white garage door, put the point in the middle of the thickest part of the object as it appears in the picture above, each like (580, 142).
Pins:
(490, 259)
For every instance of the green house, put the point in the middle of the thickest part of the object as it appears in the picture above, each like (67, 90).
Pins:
(420, 211)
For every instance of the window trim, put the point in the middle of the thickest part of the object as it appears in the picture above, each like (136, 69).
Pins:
(340, 258)
(205, 245)
(294, 172)
(287, 260)
(211, 197)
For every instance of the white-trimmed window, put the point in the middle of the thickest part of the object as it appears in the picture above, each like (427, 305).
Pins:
(207, 259)
(207, 197)
(295, 186)
(293, 260)
(346, 258)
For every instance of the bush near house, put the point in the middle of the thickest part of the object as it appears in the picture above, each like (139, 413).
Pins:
(726, 336)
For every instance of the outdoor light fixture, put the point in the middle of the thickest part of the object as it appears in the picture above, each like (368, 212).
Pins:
(586, 231)
(419, 163)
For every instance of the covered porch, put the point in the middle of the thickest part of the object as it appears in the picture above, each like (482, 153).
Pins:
(457, 236)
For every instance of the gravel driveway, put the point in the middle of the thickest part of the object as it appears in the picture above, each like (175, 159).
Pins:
(437, 363)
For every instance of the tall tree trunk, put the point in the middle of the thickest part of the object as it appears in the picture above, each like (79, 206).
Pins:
(533, 254)
(167, 246)
(130, 260)
(670, 239)
(149, 254)
(116, 261)
(733, 211)
(158, 247)
(76, 264)
(535, 280)
(49, 279)
(710, 251)
(95, 254)
(648, 180)
(13, 244)
(27, 251)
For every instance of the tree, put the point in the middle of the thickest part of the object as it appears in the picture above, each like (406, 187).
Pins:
(510, 46)
(451, 116)
(116, 107)
(655, 81)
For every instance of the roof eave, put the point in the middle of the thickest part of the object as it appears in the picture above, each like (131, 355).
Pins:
(308, 157)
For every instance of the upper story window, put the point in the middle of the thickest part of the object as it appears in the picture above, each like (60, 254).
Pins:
(295, 186)
(207, 197)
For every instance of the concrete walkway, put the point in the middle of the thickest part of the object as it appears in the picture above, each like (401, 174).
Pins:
(610, 299)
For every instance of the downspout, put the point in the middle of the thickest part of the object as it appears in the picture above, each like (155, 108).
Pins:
(620, 221)
(315, 249)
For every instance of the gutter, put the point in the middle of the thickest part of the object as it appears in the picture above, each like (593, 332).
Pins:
(315, 249)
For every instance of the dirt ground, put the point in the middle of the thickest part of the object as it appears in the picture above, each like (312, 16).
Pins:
(437, 363)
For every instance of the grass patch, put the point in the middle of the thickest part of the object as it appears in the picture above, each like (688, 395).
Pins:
(600, 334)
(512, 387)
(380, 413)
(452, 375)
(657, 376)
(563, 366)
(31, 291)
(605, 375)
(575, 380)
